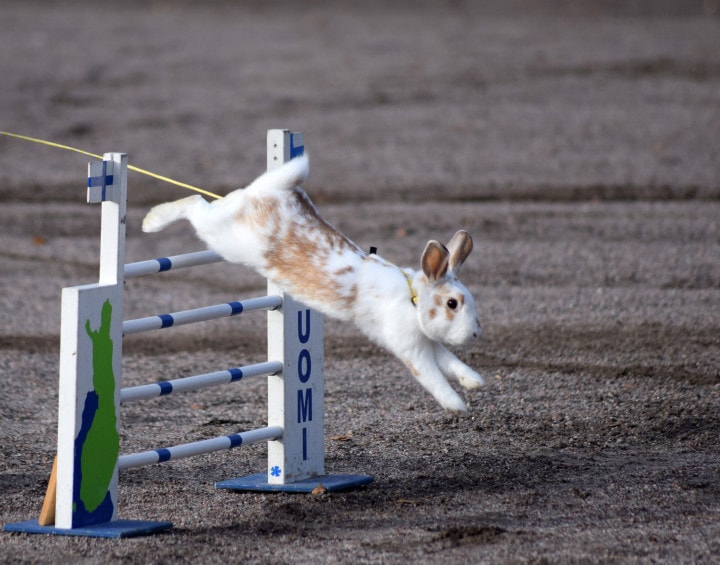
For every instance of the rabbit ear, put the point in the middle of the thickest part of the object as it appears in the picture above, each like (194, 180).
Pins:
(434, 260)
(460, 247)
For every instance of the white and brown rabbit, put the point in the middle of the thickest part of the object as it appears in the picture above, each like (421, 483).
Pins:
(272, 227)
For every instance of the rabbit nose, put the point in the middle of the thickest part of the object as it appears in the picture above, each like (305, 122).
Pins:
(478, 329)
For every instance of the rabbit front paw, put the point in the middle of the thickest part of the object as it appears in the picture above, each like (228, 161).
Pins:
(469, 379)
(452, 402)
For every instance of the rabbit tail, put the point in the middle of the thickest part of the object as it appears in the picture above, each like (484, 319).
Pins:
(287, 177)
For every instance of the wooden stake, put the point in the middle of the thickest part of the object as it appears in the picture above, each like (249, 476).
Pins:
(47, 514)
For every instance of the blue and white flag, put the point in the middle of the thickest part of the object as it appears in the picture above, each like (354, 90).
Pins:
(100, 182)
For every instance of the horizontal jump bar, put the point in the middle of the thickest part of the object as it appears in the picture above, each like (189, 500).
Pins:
(200, 314)
(199, 447)
(163, 264)
(196, 382)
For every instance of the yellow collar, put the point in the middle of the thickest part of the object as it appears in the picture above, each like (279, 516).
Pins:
(413, 294)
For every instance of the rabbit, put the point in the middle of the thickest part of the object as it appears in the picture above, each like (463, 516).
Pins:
(273, 227)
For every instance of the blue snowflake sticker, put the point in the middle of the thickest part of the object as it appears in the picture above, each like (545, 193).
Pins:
(275, 471)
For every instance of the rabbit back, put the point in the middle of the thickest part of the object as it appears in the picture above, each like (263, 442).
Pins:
(275, 229)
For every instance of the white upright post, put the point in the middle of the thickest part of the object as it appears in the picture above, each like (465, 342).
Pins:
(296, 462)
(114, 215)
(295, 338)
(90, 366)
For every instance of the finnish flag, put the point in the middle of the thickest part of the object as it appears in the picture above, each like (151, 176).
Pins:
(100, 182)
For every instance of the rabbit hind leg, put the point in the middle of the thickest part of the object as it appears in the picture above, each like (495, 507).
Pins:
(162, 215)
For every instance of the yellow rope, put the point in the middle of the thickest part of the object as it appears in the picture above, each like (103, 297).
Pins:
(131, 167)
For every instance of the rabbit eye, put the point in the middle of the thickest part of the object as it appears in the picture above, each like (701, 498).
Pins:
(452, 303)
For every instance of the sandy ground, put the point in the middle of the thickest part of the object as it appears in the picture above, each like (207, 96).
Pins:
(579, 146)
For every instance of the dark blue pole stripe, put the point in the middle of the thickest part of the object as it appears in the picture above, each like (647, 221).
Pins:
(98, 181)
(235, 440)
(163, 455)
(165, 264)
(167, 320)
(165, 388)
(235, 374)
(237, 307)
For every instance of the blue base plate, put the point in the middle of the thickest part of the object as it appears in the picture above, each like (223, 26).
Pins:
(332, 483)
(114, 529)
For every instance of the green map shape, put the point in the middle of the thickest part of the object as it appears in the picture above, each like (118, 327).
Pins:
(102, 445)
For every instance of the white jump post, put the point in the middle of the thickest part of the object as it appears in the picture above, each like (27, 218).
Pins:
(295, 337)
(295, 396)
(91, 364)
(92, 329)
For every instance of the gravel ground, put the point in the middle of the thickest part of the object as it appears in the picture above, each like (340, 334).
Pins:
(577, 143)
